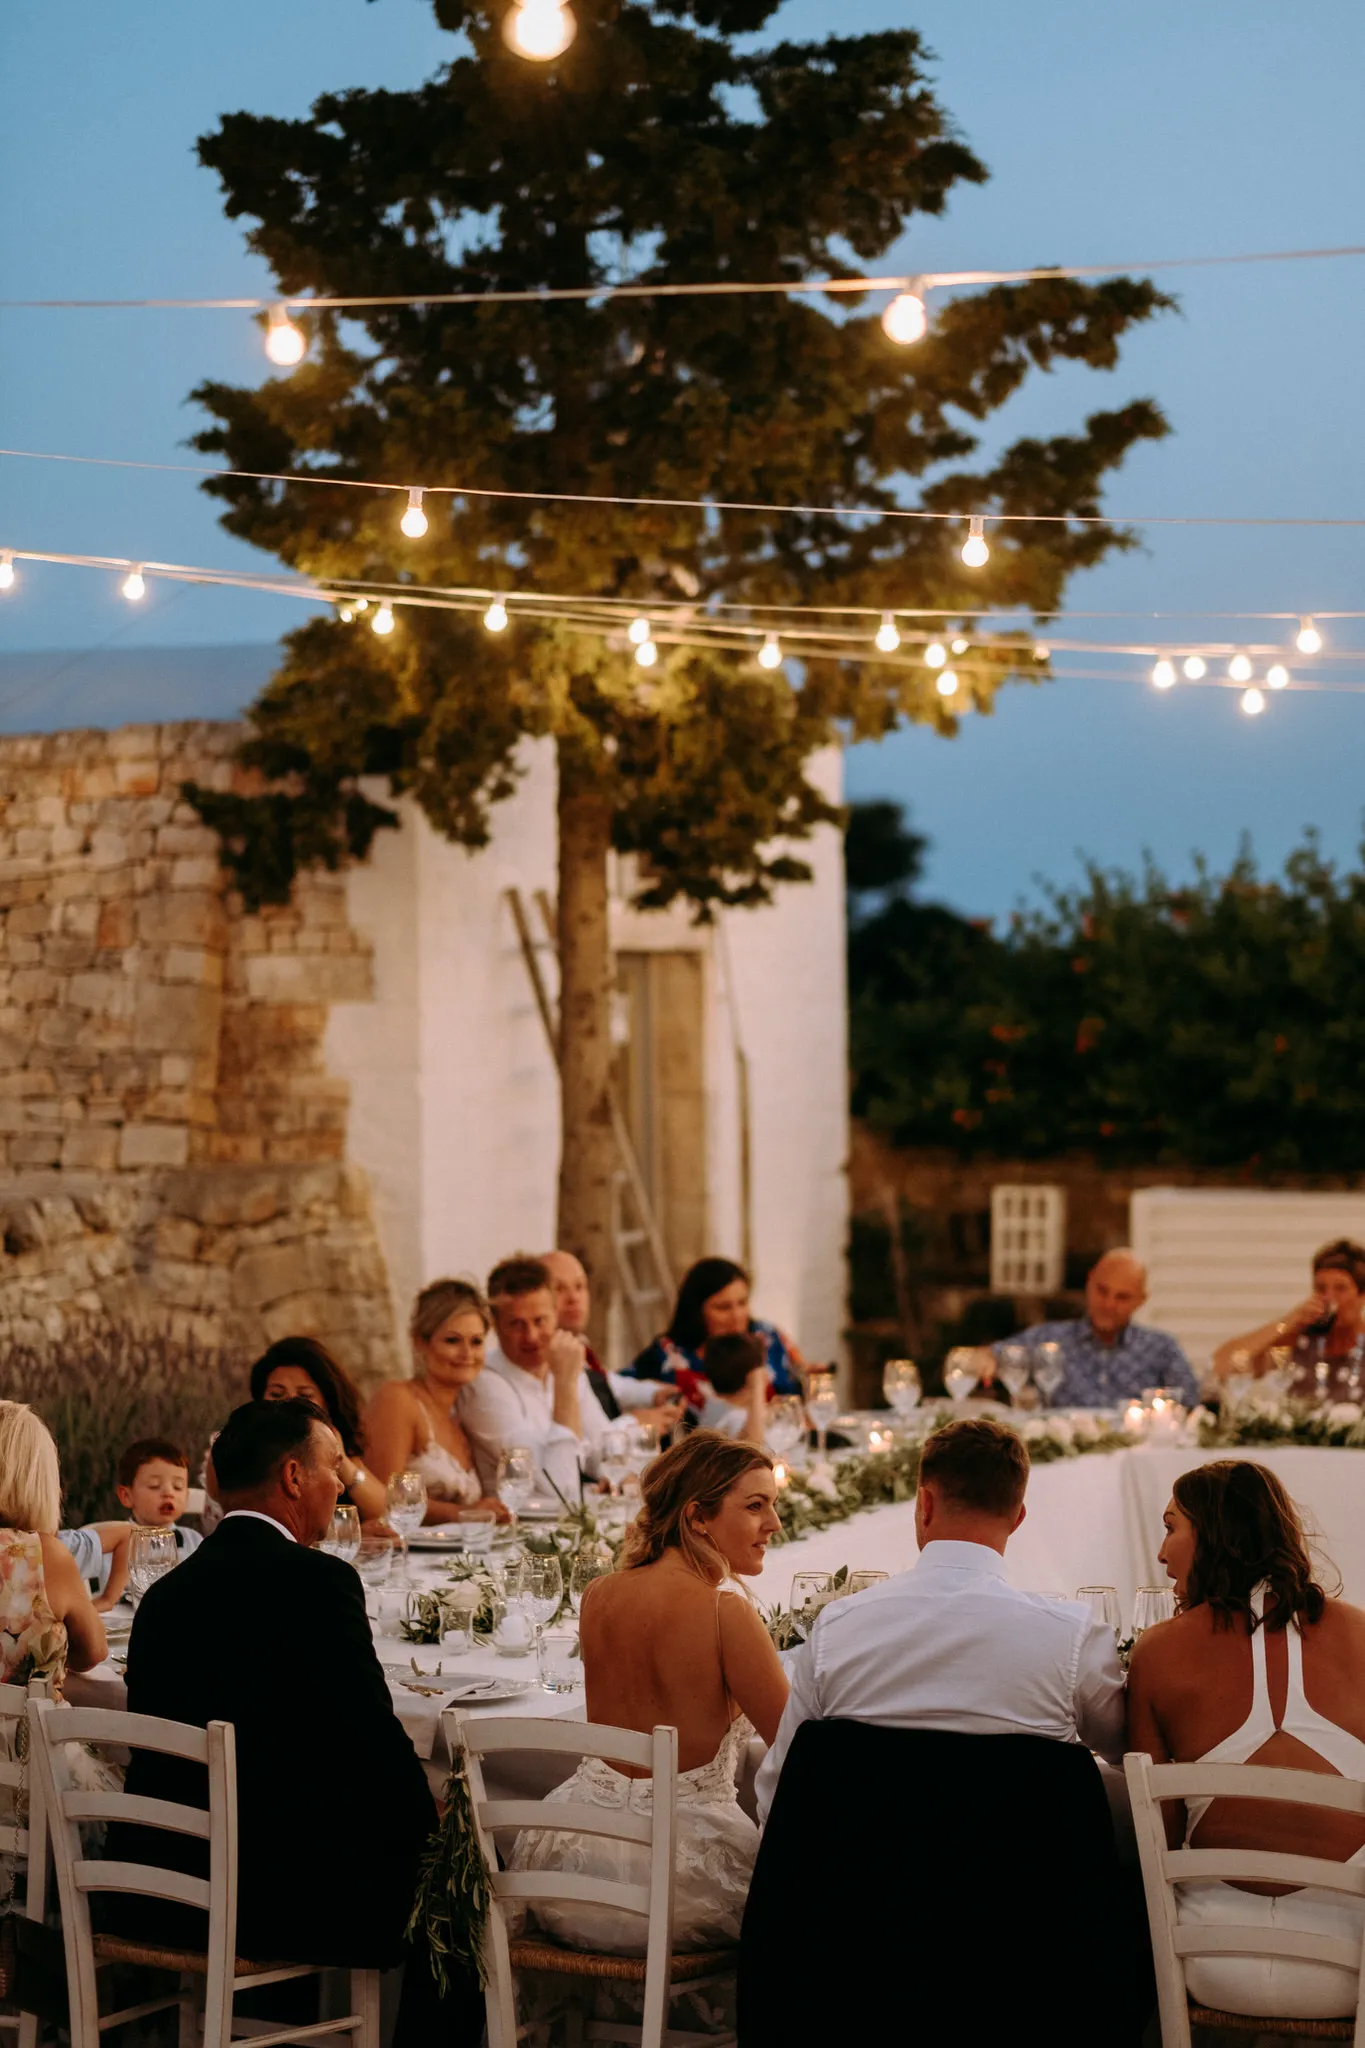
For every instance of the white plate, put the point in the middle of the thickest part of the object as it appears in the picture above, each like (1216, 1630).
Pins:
(477, 1692)
(435, 1539)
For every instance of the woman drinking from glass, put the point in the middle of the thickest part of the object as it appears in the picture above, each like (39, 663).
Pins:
(1323, 1339)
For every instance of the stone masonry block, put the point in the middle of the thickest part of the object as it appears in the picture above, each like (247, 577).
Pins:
(114, 926)
(153, 1145)
(180, 917)
(261, 1277)
(179, 1018)
(110, 995)
(314, 978)
(137, 778)
(92, 1146)
(194, 963)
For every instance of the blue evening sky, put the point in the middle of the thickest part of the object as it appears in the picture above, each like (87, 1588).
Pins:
(1113, 135)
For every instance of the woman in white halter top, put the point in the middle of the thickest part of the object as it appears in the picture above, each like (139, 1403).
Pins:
(410, 1425)
(1258, 1666)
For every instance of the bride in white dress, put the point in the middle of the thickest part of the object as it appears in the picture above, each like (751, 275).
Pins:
(410, 1425)
(671, 1638)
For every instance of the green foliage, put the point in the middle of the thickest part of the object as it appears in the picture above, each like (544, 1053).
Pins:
(659, 148)
(450, 1907)
(102, 1386)
(1218, 1024)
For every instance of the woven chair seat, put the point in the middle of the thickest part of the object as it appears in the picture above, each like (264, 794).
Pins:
(110, 1948)
(1246, 2023)
(577, 1962)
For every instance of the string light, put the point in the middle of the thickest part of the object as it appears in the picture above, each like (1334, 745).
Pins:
(1277, 676)
(414, 520)
(947, 684)
(285, 343)
(1308, 640)
(362, 604)
(906, 319)
(495, 618)
(1163, 675)
(1239, 668)
(1195, 667)
(539, 29)
(1042, 653)
(961, 646)
(134, 586)
(1253, 703)
(888, 639)
(638, 632)
(345, 614)
(382, 622)
(646, 654)
(935, 654)
(6, 571)
(770, 653)
(975, 553)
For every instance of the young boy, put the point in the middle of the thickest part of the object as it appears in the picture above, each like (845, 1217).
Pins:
(153, 1481)
(737, 1373)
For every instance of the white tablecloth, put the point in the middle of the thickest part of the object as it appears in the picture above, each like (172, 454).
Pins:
(1096, 1520)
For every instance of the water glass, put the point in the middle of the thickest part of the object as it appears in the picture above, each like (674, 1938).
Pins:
(460, 1605)
(560, 1659)
(822, 1405)
(1154, 1604)
(374, 1561)
(543, 1588)
(1049, 1369)
(516, 1479)
(405, 1509)
(151, 1554)
(901, 1387)
(961, 1372)
(613, 1457)
(1015, 1368)
(475, 1527)
(786, 1423)
(343, 1533)
(1103, 1602)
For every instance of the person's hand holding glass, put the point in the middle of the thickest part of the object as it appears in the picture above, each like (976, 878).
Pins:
(405, 1510)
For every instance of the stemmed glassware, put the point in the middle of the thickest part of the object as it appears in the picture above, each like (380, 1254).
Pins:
(516, 1480)
(343, 1534)
(1103, 1602)
(858, 1582)
(592, 1562)
(405, 1509)
(786, 1422)
(543, 1588)
(810, 1592)
(1154, 1604)
(1015, 1367)
(901, 1387)
(151, 1554)
(822, 1405)
(1049, 1369)
(960, 1372)
(613, 1457)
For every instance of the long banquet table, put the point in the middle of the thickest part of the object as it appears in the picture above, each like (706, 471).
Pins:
(1096, 1520)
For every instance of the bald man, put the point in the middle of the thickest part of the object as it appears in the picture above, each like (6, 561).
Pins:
(569, 1278)
(1109, 1358)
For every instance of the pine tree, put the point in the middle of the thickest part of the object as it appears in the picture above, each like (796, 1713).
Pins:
(661, 147)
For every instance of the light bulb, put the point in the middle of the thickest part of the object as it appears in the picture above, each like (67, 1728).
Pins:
(134, 586)
(6, 571)
(1308, 639)
(888, 639)
(1194, 666)
(541, 29)
(935, 654)
(414, 520)
(947, 684)
(1277, 676)
(382, 622)
(362, 604)
(285, 343)
(906, 319)
(1239, 668)
(345, 614)
(975, 553)
(639, 632)
(1041, 653)
(1163, 675)
(1253, 703)
(495, 618)
(646, 654)
(961, 646)
(770, 653)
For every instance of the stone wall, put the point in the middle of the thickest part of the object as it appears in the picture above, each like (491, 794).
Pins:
(172, 1148)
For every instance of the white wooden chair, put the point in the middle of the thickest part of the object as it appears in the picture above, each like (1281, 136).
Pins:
(205, 2014)
(23, 1840)
(1163, 1868)
(661, 1973)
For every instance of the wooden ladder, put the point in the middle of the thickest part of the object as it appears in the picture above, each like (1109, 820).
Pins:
(643, 1276)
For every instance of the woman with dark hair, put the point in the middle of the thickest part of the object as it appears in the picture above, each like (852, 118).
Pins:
(671, 1638)
(302, 1369)
(713, 1301)
(1258, 1666)
(1322, 1340)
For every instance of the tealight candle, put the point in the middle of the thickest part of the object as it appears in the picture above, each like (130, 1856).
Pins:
(781, 1475)
(881, 1440)
(1135, 1418)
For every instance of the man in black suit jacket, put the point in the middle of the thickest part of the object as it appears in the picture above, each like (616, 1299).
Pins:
(257, 1628)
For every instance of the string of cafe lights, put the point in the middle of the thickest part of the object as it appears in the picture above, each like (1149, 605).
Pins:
(769, 634)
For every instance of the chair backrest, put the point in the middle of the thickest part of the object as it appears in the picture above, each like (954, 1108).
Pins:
(13, 1768)
(57, 1730)
(655, 1754)
(1163, 1868)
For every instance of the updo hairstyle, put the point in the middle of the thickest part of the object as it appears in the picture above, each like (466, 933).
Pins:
(698, 1472)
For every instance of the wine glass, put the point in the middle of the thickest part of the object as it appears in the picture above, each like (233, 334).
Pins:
(1103, 1602)
(516, 1480)
(590, 1563)
(822, 1405)
(613, 1457)
(343, 1533)
(786, 1423)
(1015, 1368)
(810, 1592)
(405, 1508)
(960, 1372)
(374, 1562)
(543, 1588)
(1154, 1604)
(1049, 1369)
(151, 1554)
(858, 1582)
(901, 1386)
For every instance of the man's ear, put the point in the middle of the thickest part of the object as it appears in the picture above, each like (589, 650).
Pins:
(1018, 1518)
(291, 1478)
(928, 1502)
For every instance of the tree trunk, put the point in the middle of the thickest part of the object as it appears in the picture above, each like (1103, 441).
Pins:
(587, 1160)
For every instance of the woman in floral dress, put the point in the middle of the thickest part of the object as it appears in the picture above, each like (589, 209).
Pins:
(48, 1622)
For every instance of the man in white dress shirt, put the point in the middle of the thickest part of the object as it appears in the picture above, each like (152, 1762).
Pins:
(533, 1389)
(951, 1644)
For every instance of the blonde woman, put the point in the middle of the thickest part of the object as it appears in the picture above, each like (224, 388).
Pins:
(47, 1619)
(410, 1425)
(671, 1638)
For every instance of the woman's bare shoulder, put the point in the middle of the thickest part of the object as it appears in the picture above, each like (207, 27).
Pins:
(390, 1396)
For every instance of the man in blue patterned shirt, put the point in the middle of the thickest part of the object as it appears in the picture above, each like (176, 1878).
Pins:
(1109, 1359)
